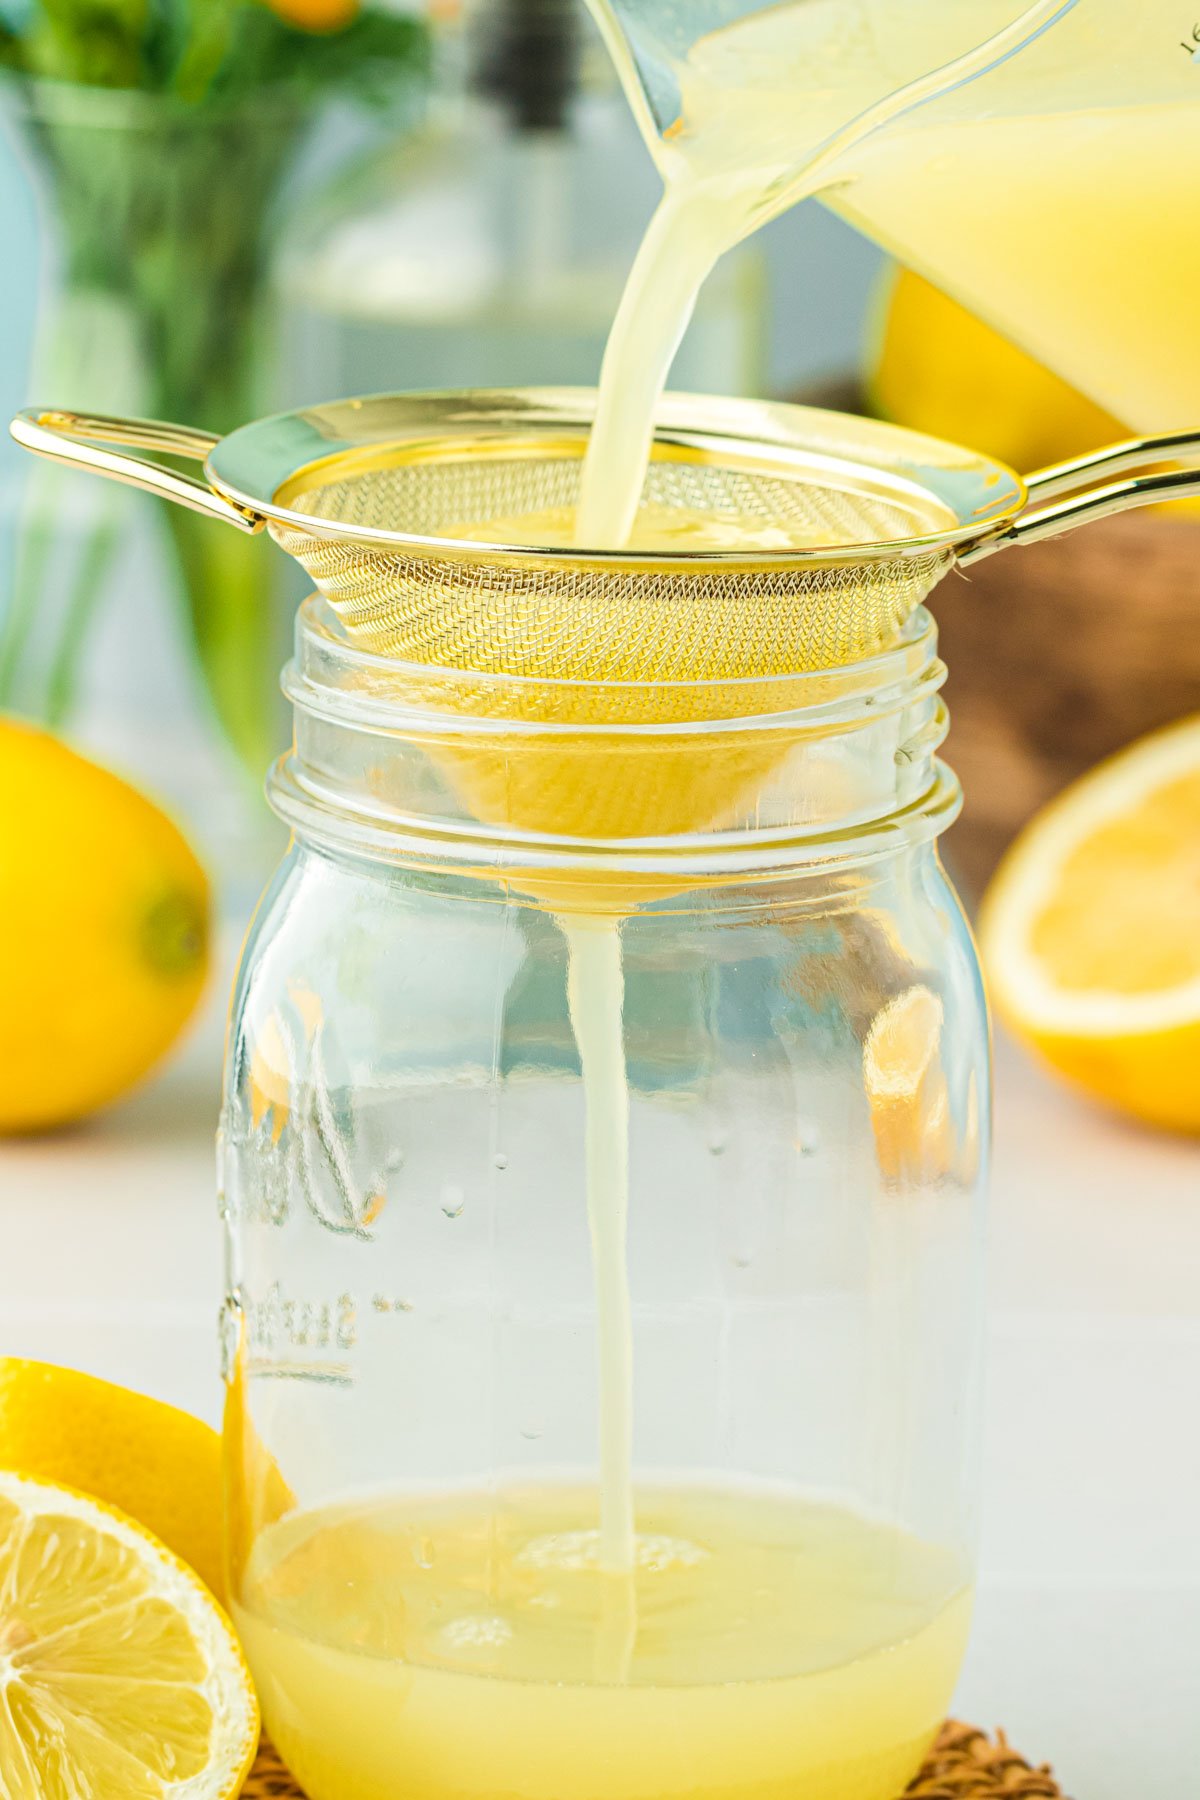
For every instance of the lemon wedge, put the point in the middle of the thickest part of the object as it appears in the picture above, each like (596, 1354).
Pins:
(120, 1676)
(1090, 931)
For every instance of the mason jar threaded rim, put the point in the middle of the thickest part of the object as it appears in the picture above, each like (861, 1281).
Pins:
(370, 728)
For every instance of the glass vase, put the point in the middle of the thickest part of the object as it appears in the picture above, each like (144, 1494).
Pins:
(147, 635)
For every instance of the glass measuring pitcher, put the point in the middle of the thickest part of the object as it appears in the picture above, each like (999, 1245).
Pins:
(1035, 160)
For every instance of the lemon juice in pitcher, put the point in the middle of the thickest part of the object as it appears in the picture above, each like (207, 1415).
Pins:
(1033, 159)
(748, 109)
(1056, 198)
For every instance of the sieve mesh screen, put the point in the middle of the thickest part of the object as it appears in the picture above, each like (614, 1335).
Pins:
(629, 618)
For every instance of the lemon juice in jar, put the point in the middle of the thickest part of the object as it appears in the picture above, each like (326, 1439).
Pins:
(473, 1645)
(619, 1638)
(607, 1394)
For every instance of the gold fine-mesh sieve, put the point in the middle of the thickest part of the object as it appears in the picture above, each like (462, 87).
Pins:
(389, 504)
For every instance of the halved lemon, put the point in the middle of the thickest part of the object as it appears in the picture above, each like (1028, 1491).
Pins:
(1090, 931)
(120, 1676)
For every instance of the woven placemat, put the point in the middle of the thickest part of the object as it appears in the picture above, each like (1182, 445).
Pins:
(964, 1764)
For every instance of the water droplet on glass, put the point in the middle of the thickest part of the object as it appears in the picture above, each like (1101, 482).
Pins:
(500, 1161)
(810, 1142)
(717, 1143)
(393, 1161)
(532, 1432)
(742, 1260)
(453, 1201)
(423, 1553)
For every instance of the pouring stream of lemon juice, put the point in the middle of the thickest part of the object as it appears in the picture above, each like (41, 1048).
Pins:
(1035, 161)
(732, 163)
(767, 110)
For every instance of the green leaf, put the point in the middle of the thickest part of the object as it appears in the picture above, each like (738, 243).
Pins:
(207, 51)
(68, 40)
(374, 46)
(207, 37)
(229, 586)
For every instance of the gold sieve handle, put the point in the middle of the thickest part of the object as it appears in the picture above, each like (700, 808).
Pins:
(1066, 495)
(79, 440)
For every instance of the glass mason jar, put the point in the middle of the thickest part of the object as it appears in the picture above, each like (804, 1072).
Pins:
(440, 1391)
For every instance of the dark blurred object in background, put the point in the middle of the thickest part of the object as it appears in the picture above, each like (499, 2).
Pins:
(1059, 655)
(529, 57)
(490, 248)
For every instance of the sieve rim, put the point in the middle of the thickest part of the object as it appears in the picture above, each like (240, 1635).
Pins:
(261, 467)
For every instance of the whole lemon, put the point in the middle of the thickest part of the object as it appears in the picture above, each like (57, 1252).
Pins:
(159, 1465)
(104, 920)
(935, 367)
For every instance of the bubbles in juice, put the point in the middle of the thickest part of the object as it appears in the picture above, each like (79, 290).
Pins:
(657, 528)
(473, 1645)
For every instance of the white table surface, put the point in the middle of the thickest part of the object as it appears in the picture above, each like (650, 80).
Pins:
(1087, 1641)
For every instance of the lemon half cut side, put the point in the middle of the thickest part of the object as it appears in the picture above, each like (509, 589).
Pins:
(1090, 931)
(120, 1676)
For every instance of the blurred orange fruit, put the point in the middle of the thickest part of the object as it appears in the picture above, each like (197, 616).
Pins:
(255, 1493)
(316, 15)
(906, 1087)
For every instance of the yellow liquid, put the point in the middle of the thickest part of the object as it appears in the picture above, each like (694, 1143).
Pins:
(596, 997)
(453, 1648)
(1075, 233)
(655, 527)
(1051, 188)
